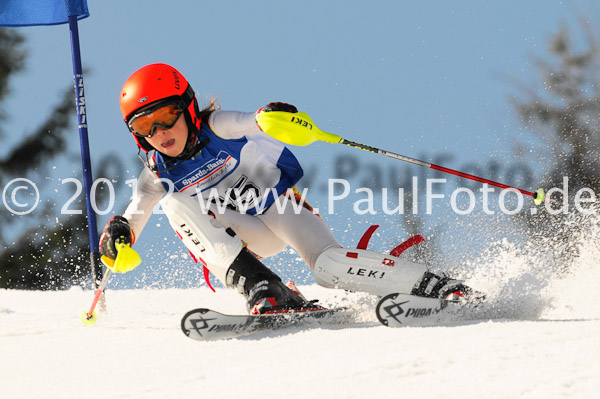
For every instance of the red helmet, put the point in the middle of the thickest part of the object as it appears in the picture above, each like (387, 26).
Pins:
(155, 83)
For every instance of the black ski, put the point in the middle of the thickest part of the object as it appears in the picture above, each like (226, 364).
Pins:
(208, 325)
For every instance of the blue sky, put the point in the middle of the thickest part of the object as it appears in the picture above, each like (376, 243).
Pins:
(422, 79)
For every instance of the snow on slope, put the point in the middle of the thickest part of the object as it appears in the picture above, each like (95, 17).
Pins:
(137, 351)
(540, 338)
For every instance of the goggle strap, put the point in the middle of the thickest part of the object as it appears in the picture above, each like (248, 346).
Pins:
(187, 96)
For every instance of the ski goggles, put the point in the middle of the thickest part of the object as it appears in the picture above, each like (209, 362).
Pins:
(144, 123)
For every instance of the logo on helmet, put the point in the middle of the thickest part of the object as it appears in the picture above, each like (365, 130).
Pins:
(143, 99)
(176, 77)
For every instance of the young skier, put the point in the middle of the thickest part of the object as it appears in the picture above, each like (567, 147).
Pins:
(193, 155)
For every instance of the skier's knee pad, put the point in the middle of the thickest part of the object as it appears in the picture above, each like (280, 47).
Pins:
(366, 271)
(201, 233)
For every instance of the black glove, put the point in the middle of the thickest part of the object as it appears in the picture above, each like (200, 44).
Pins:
(279, 107)
(116, 230)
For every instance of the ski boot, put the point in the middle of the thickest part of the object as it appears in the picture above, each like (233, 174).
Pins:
(443, 287)
(264, 291)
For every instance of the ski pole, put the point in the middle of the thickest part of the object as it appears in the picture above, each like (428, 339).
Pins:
(538, 194)
(127, 259)
(90, 317)
(299, 129)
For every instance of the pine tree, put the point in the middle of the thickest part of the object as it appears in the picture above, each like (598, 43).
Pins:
(565, 116)
(46, 254)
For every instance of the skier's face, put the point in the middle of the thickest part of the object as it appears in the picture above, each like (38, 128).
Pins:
(170, 142)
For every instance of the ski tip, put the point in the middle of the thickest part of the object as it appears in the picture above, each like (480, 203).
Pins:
(379, 311)
(186, 325)
(398, 310)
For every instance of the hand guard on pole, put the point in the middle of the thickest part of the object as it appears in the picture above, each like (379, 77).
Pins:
(115, 245)
(292, 128)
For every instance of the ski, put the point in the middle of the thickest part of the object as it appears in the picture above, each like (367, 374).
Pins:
(400, 310)
(208, 325)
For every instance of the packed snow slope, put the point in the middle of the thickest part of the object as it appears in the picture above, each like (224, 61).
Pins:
(538, 338)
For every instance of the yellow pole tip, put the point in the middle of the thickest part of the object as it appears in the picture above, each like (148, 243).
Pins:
(88, 321)
(540, 195)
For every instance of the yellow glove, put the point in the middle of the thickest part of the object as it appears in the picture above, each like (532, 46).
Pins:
(293, 128)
